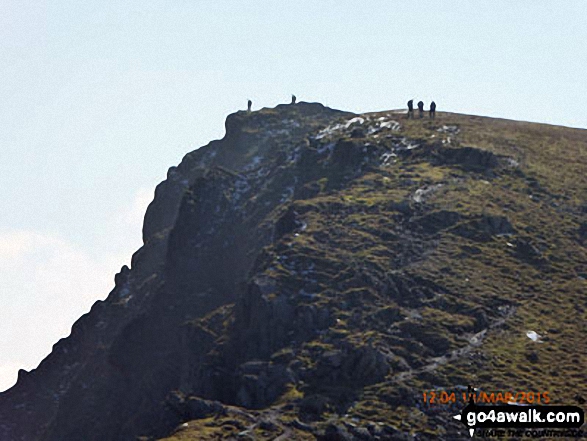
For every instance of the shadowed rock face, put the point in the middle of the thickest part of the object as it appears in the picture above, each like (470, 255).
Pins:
(313, 272)
(124, 356)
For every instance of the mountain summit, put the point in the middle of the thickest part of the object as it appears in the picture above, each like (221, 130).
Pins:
(315, 273)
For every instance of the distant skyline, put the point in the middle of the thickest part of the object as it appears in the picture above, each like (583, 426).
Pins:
(99, 99)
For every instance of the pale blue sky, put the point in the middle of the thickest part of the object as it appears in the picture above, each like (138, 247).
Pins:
(98, 99)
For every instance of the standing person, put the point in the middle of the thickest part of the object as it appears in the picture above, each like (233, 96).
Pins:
(432, 110)
(411, 109)
(421, 109)
(293, 99)
(249, 104)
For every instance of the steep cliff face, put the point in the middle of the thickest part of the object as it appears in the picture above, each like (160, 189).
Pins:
(313, 272)
(91, 374)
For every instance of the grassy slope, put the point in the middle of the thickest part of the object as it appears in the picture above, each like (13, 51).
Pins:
(543, 198)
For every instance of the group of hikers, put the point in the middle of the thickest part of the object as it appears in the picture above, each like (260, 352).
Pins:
(421, 109)
(432, 110)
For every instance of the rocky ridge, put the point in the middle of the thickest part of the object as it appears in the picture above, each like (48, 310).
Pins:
(309, 275)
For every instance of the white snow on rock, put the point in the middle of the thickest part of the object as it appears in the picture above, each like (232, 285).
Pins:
(512, 163)
(339, 128)
(388, 158)
(330, 130)
(355, 120)
(534, 336)
(404, 144)
(449, 129)
(422, 193)
(392, 125)
(372, 125)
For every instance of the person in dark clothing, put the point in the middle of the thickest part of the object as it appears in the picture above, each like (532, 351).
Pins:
(249, 104)
(421, 109)
(293, 99)
(411, 109)
(432, 110)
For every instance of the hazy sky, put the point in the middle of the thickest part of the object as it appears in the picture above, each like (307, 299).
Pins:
(99, 99)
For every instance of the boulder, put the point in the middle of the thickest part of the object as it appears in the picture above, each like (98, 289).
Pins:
(467, 158)
(258, 383)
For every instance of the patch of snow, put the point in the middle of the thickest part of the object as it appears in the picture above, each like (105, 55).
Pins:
(512, 163)
(355, 120)
(449, 129)
(340, 127)
(388, 158)
(392, 125)
(422, 193)
(381, 124)
(329, 130)
(403, 144)
(534, 336)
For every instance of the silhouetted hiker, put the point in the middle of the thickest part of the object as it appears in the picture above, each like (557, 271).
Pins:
(432, 110)
(293, 99)
(421, 108)
(249, 104)
(411, 109)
